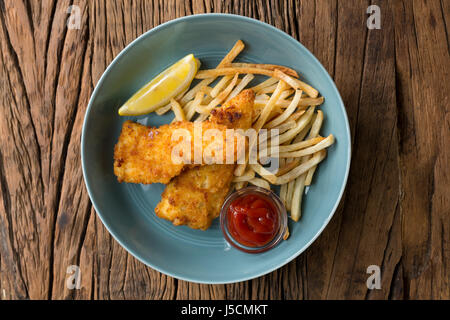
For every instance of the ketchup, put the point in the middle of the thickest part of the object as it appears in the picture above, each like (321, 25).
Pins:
(252, 220)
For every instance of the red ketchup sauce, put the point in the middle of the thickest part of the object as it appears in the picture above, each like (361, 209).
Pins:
(252, 220)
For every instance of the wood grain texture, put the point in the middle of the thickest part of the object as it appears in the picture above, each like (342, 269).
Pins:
(396, 208)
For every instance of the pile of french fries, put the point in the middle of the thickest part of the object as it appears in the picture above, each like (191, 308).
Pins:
(282, 102)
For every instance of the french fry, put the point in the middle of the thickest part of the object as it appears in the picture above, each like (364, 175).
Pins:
(300, 145)
(248, 175)
(263, 172)
(285, 126)
(273, 114)
(263, 96)
(219, 99)
(260, 103)
(207, 99)
(289, 110)
(229, 57)
(304, 102)
(269, 89)
(269, 106)
(232, 54)
(296, 115)
(272, 67)
(190, 114)
(286, 94)
(295, 83)
(163, 109)
(191, 110)
(199, 96)
(207, 90)
(264, 84)
(288, 167)
(302, 168)
(290, 148)
(210, 73)
(240, 185)
(219, 86)
(188, 106)
(260, 183)
(177, 110)
(317, 124)
(325, 143)
(201, 117)
(286, 233)
(290, 194)
(256, 113)
(240, 168)
(302, 134)
(244, 82)
(265, 143)
(198, 87)
(301, 124)
(224, 94)
(309, 175)
(283, 193)
(299, 187)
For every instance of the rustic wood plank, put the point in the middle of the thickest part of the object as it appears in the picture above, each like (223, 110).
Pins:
(71, 101)
(127, 278)
(328, 269)
(423, 125)
(25, 229)
(372, 191)
(320, 39)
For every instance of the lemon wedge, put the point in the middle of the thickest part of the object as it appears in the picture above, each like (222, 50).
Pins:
(165, 86)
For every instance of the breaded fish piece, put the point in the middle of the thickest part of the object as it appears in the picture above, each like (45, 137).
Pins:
(144, 154)
(195, 197)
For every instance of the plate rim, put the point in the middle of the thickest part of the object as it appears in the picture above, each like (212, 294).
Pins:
(261, 24)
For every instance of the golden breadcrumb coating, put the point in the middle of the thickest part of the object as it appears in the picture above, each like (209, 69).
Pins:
(195, 197)
(144, 154)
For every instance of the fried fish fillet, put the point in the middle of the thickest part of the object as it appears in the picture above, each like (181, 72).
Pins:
(144, 154)
(195, 197)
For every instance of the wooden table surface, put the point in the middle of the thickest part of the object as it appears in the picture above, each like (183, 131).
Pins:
(396, 209)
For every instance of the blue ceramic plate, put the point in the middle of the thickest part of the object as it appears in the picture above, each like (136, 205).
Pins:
(127, 210)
